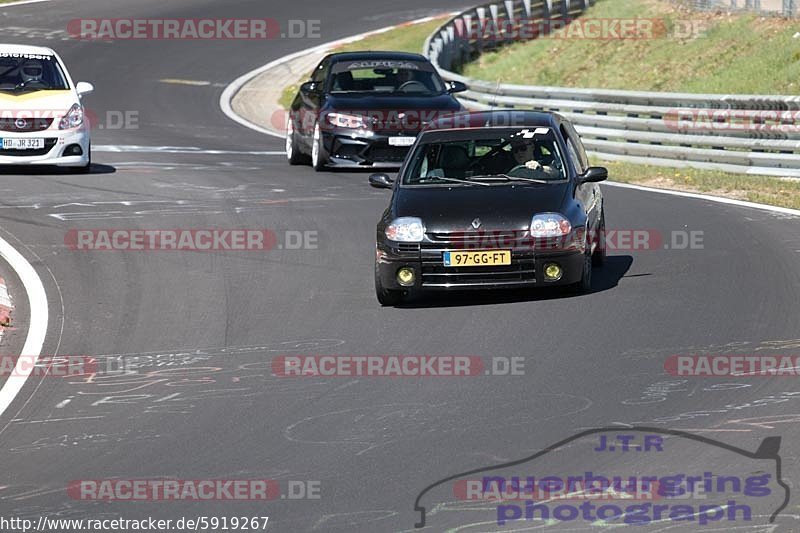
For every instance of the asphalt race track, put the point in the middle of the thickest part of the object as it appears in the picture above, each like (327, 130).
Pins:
(206, 326)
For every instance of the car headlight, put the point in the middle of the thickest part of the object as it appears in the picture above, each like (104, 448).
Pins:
(550, 225)
(405, 229)
(73, 118)
(343, 120)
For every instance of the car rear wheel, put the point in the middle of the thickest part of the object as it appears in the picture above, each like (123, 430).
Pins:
(386, 297)
(293, 154)
(319, 157)
(599, 256)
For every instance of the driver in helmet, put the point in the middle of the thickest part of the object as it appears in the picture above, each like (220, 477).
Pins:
(32, 72)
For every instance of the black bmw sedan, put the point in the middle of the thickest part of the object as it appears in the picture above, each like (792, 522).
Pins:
(366, 109)
(500, 199)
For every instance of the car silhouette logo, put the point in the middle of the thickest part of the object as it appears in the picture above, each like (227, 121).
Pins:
(21, 123)
(476, 223)
(768, 450)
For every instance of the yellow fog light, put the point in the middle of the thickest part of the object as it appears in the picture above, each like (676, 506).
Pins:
(405, 277)
(552, 272)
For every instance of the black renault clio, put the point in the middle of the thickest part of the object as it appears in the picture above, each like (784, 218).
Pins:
(499, 199)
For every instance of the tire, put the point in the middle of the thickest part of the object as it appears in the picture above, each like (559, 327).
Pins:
(87, 169)
(584, 286)
(293, 154)
(386, 297)
(599, 256)
(319, 157)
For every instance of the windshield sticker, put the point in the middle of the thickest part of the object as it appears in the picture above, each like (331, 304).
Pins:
(383, 64)
(25, 56)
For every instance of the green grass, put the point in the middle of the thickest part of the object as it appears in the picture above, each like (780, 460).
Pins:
(759, 189)
(404, 39)
(735, 54)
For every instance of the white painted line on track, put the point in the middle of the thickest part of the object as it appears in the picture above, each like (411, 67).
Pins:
(22, 3)
(128, 148)
(37, 328)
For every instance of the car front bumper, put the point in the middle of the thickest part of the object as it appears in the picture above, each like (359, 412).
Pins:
(56, 150)
(526, 269)
(362, 148)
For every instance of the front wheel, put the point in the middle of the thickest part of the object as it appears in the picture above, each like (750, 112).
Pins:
(599, 256)
(386, 297)
(84, 169)
(293, 155)
(584, 286)
(319, 157)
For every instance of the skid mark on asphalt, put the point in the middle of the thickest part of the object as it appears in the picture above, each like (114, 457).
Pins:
(368, 428)
(187, 207)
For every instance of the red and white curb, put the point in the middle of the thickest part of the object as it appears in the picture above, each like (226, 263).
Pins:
(6, 306)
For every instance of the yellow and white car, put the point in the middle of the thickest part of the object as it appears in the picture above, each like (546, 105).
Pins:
(42, 119)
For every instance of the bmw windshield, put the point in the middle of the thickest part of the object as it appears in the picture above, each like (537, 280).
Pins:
(386, 78)
(487, 157)
(30, 72)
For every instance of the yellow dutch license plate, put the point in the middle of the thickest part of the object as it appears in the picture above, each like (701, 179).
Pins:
(477, 258)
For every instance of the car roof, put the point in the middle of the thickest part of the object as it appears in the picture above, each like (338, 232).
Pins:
(509, 118)
(26, 49)
(360, 56)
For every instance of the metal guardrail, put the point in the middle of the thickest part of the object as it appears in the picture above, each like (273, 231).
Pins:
(753, 134)
(785, 8)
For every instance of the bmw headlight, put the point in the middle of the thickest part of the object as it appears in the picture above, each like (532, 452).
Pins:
(343, 120)
(72, 119)
(550, 225)
(405, 229)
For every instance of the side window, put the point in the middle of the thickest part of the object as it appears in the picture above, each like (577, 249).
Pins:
(321, 72)
(579, 147)
(572, 151)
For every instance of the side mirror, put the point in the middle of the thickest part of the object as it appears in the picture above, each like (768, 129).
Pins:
(309, 87)
(83, 87)
(456, 87)
(381, 181)
(593, 175)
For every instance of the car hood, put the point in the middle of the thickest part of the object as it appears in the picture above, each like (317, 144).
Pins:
(47, 104)
(501, 207)
(444, 102)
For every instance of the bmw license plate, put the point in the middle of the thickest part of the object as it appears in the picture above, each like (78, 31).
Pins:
(18, 143)
(477, 258)
(401, 141)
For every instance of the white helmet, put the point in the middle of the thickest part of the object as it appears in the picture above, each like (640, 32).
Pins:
(32, 70)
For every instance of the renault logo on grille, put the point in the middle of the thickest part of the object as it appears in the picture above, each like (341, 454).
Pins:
(21, 123)
(476, 223)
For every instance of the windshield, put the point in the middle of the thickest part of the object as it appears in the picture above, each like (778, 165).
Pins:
(30, 72)
(404, 78)
(520, 156)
